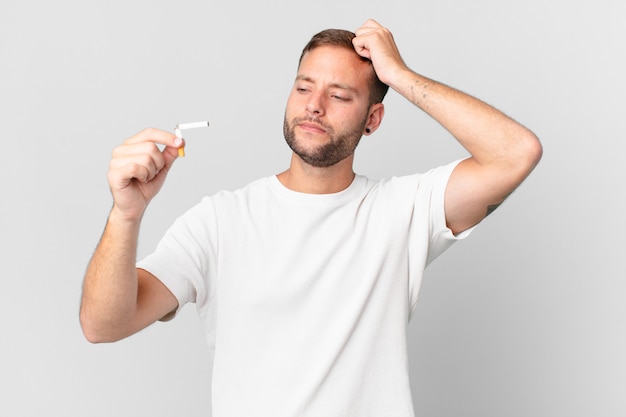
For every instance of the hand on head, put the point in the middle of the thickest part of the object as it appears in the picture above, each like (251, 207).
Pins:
(375, 42)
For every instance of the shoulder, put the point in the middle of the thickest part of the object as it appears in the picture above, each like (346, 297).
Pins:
(259, 186)
(430, 179)
(227, 202)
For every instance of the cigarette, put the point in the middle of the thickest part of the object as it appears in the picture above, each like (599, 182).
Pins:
(182, 126)
(181, 150)
(192, 125)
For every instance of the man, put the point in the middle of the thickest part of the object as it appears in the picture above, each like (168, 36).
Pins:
(305, 280)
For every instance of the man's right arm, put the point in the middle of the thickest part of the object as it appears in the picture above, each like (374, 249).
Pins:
(119, 299)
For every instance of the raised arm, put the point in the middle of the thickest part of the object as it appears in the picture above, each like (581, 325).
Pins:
(118, 299)
(503, 152)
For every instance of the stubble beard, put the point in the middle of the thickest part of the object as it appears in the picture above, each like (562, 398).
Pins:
(339, 147)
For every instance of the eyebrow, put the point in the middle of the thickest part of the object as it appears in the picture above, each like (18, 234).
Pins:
(333, 85)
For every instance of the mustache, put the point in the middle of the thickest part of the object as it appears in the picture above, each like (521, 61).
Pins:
(297, 120)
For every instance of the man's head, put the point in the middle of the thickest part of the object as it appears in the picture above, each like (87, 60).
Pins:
(343, 39)
(336, 98)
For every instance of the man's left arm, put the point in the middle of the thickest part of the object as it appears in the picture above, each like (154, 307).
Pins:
(503, 152)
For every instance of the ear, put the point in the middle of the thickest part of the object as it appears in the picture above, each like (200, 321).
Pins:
(374, 118)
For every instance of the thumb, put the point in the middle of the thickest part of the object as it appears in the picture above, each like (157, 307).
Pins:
(171, 153)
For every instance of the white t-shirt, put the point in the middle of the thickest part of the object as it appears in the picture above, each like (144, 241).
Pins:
(305, 298)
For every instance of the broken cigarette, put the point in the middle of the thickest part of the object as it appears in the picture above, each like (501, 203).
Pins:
(183, 126)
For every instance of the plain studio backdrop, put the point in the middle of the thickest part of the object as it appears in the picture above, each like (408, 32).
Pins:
(524, 318)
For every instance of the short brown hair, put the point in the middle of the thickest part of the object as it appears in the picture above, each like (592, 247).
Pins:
(343, 38)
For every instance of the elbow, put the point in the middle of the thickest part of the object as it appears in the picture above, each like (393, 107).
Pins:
(93, 332)
(90, 334)
(528, 153)
(95, 337)
(90, 331)
(92, 338)
(535, 149)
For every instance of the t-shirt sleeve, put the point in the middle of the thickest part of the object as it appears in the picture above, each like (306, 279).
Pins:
(184, 259)
(441, 237)
(428, 233)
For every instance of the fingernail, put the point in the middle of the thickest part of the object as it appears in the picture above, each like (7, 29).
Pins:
(178, 141)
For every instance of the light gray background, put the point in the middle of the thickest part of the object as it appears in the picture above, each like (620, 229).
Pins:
(526, 318)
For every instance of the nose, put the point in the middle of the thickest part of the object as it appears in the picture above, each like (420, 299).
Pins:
(315, 104)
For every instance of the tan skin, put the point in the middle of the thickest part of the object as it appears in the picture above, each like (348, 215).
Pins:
(331, 85)
(119, 300)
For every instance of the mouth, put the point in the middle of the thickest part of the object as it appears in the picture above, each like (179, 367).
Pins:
(311, 127)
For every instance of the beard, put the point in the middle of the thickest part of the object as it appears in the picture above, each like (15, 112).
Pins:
(338, 148)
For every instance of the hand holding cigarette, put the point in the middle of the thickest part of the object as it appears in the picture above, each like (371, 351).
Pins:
(138, 168)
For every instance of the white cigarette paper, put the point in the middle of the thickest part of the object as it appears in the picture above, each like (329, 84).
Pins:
(192, 125)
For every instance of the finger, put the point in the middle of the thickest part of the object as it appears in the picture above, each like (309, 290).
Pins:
(378, 33)
(366, 36)
(133, 148)
(156, 136)
(139, 167)
(364, 31)
(141, 150)
(172, 144)
(121, 175)
(361, 47)
(370, 24)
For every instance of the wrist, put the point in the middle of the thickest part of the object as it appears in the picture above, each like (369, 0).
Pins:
(125, 218)
(397, 76)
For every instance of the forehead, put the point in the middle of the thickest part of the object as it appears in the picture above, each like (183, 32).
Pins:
(334, 64)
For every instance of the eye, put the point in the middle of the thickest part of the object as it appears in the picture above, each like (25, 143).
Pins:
(339, 98)
(301, 89)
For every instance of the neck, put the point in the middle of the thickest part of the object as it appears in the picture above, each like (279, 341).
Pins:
(305, 178)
